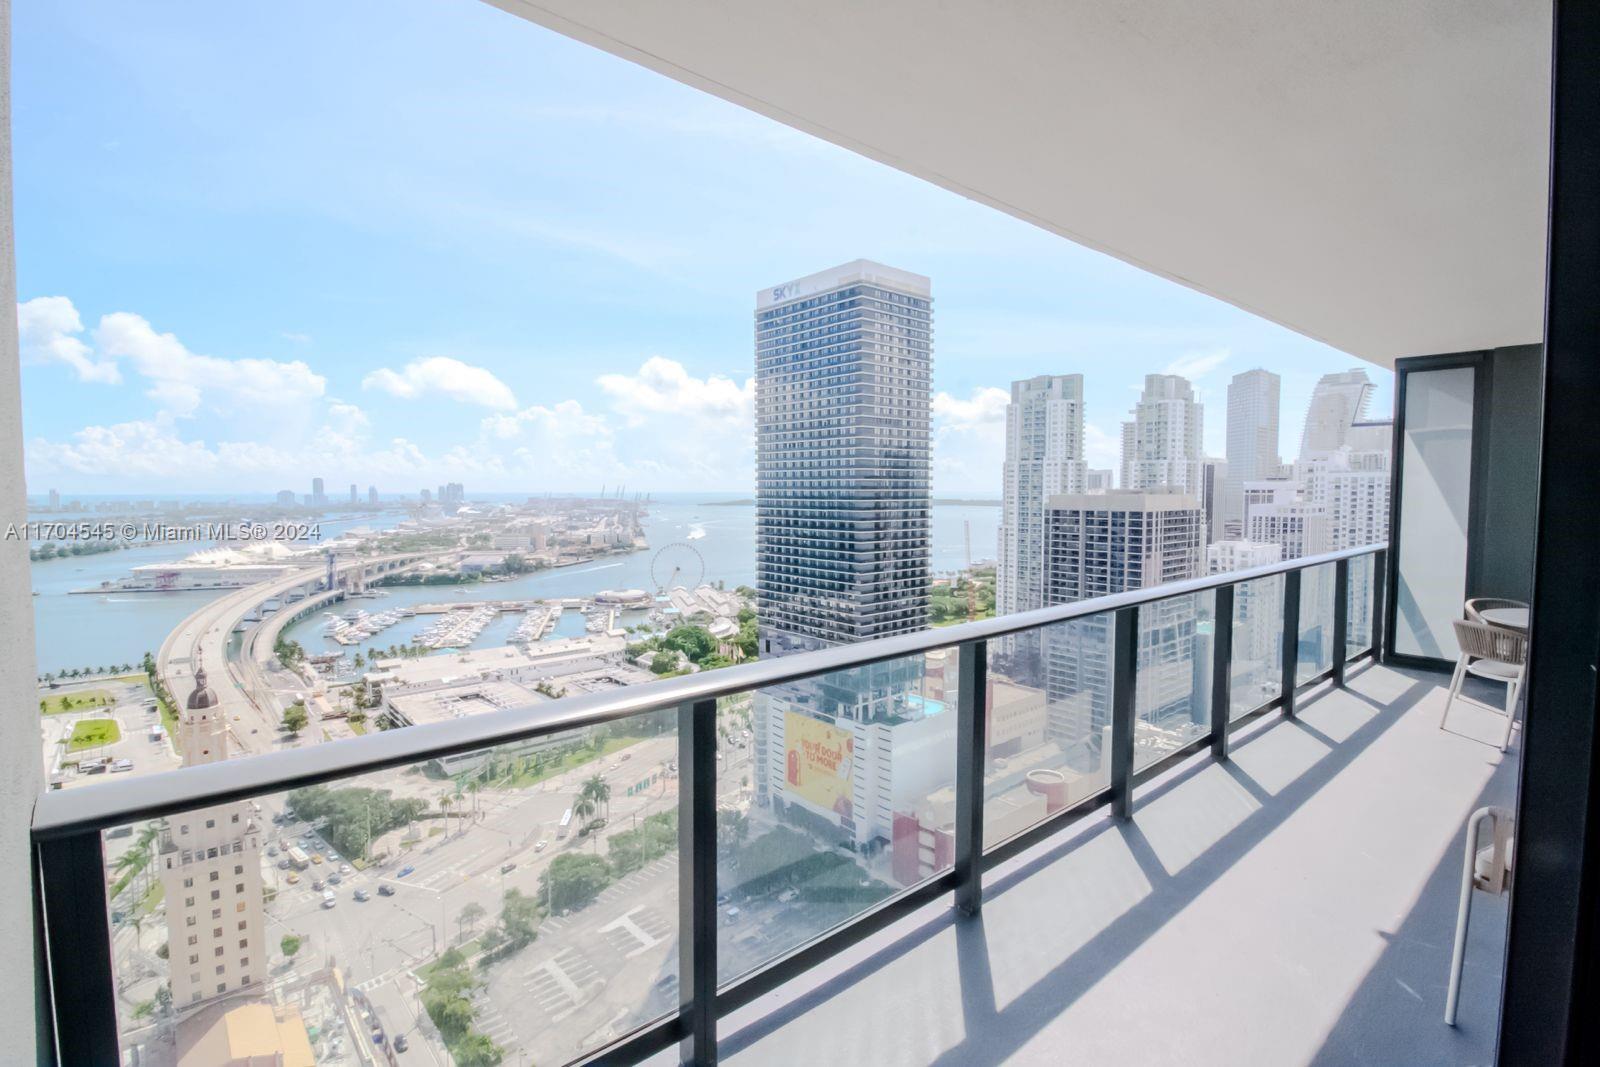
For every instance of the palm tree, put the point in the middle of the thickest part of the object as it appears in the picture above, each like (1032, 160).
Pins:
(583, 809)
(599, 791)
(445, 800)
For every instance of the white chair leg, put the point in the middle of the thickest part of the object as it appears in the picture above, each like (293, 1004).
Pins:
(1458, 955)
(1455, 687)
(1513, 695)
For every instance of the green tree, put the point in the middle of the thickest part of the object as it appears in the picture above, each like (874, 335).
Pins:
(572, 880)
(519, 919)
(477, 1050)
(295, 718)
(290, 944)
(732, 827)
(469, 917)
(695, 642)
(663, 663)
(598, 790)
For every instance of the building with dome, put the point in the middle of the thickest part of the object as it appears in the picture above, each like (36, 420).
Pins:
(211, 872)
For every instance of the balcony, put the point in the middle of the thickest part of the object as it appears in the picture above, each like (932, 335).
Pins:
(1125, 866)
(1295, 904)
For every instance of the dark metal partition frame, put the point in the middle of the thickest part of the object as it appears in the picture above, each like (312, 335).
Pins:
(1482, 394)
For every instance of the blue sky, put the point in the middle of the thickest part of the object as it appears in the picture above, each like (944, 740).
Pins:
(422, 240)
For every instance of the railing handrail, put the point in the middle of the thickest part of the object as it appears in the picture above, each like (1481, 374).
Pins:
(103, 805)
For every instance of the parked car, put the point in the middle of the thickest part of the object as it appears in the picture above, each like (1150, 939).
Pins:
(541, 846)
(403, 871)
(344, 868)
(386, 890)
(507, 868)
(319, 885)
(335, 878)
(283, 864)
(400, 1043)
(787, 895)
(272, 850)
(293, 878)
(328, 899)
(363, 895)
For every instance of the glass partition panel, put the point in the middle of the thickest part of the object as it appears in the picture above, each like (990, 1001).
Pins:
(1434, 497)
(1316, 622)
(1257, 643)
(1173, 699)
(833, 794)
(514, 902)
(1049, 722)
(1358, 617)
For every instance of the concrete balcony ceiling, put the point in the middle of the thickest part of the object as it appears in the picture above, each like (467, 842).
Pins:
(1369, 174)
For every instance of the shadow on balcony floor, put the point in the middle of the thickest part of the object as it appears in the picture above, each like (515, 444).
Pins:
(1294, 906)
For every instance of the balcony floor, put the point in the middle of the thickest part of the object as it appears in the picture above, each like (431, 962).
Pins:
(1295, 906)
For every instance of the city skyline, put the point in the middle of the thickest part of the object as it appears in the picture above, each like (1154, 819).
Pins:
(561, 335)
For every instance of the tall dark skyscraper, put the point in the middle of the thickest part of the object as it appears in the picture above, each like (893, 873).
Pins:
(844, 363)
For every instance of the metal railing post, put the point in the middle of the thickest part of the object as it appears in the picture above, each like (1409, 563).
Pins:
(1380, 583)
(972, 727)
(81, 977)
(1124, 697)
(1291, 639)
(697, 881)
(1221, 671)
(1341, 618)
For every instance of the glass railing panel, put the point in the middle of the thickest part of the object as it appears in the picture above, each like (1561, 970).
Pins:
(1257, 675)
(1173, 692)
(1358, 620)
(834, 794)
(1049, 725)
(518, 902)
(1316, 622)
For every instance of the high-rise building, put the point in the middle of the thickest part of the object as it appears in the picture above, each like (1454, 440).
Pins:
(355, 495)
(211, 876)
(318, 497)
(1099, 480)
(55, 500)
(1161, 449)
(1044, 458)
(286, 498)
(1257, 616)
(452, 495)
(1277, 513)
(843, 443)
(372, 495)
(1252, 453)
(426, 496)
(1213, 479)
(844, 362)
(1337, 416)
(1104, 543)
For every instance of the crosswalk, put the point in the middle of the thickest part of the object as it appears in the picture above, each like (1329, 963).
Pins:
(367, 985)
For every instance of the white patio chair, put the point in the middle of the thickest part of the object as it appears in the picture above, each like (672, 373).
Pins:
(1487, 869)
(1495, 654)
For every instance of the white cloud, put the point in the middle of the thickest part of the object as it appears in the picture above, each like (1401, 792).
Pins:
(1194, 365)
(969, 439)
(663, 387)
(563, 420)
(986, 407)
(130, 450)
(48, 328)
(1101, 450)
(181, 380)
(449, 377)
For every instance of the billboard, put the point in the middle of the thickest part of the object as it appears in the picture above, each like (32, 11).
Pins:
(819, 764)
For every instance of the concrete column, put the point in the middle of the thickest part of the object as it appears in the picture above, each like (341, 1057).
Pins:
(21, 766)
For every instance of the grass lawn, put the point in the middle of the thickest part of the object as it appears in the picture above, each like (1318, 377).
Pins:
(569, 761)
(76, 701)
(91, 733)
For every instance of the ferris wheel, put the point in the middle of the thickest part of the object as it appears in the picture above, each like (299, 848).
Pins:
(677, 564)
